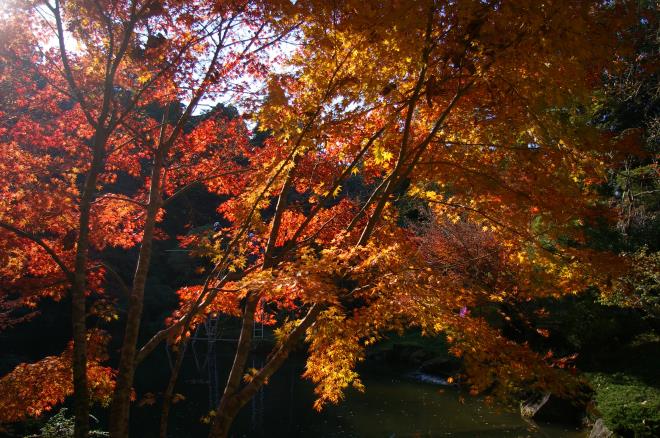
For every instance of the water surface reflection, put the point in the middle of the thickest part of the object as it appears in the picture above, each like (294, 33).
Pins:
(392, 406)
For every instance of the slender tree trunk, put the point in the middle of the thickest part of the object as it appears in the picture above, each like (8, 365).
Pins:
(227, 407)
(241, 356)
(79, 312)
(224, 418)
(119, 411)
(169, 392)
(233, 403)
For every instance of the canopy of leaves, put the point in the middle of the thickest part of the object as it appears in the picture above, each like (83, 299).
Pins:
(470, 112)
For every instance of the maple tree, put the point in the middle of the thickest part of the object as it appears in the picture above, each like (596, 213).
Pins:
(469, 111)
(92, 92)
(34, 388)
(473, 109)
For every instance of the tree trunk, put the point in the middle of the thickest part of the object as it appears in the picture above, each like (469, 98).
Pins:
(228, 407)
(78, 314)
(232, 403)
(169, 392)
(121, 402)
(224, 418)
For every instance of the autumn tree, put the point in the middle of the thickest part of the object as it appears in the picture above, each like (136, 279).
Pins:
(472, 109)
(91, 92)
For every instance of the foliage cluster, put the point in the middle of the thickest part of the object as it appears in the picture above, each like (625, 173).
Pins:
(62, 426)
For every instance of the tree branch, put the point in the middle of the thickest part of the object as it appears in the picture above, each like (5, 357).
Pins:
(42, 244)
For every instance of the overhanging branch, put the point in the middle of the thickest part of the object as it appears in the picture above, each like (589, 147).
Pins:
(41, 243)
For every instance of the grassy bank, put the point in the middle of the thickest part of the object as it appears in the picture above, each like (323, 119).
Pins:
(629, 406)
(627, 385)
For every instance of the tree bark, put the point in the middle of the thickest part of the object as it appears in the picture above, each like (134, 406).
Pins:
(227, 407)
(119, 411)
(80, 387)
(169, 392)
(231, 404)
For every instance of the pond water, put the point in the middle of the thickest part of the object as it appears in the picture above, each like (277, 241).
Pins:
(395, 404)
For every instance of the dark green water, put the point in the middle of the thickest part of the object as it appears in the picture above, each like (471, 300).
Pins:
(393, 405)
